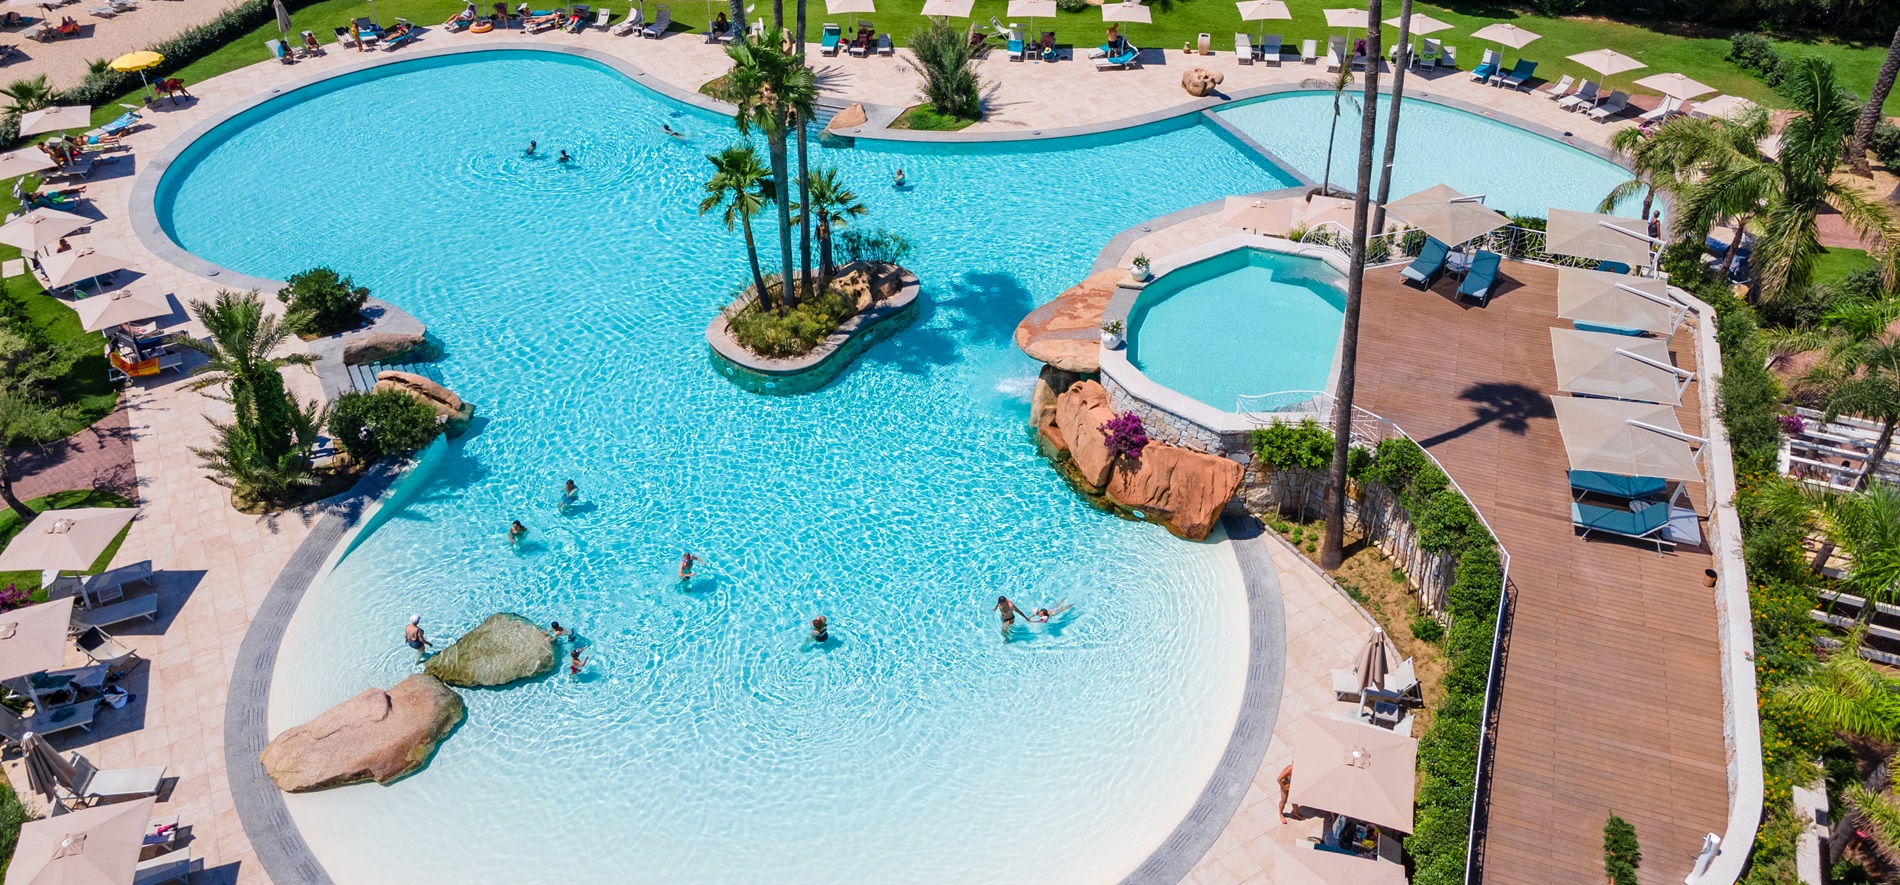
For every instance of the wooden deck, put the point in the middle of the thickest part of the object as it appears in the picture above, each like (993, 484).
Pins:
(1611, 698)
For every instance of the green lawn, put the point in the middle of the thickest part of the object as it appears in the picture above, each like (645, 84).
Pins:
(11, 525)
(85, 384)
(1835, 264)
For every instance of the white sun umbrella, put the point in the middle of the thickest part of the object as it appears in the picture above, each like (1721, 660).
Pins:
(55, 119)
(1263, 11)
(1677, 87)
(1617, 301)
(949, 8)
(40, 228)
(84, 263)
(143, 300)
(1311, 865)
(1721, 106)
(33, 639)
(65, 540)
(1348, 18)
(1607, 62)
(1032, 10)
(1600, 237)
(1449, 216)
(1127, 11)
(93, 846)
(24, 161)
(1422, 24)
(1259, 215)
(1626, 439)
(1617, 366)
(1505, 35)
(841, 7)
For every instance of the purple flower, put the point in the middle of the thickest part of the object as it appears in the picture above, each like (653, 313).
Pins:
(1793, 425)
(1124, 436)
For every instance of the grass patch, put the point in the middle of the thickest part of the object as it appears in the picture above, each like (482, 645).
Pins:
(716, 87)
(13, 815)
(85, 384)
(1835, 264)
(10, 525)
(924, 117)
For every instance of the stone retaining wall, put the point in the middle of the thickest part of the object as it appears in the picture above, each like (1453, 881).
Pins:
(814, 370)
(1175, 430)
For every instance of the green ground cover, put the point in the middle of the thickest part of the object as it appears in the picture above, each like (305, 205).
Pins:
(10, 525)
(925, 117)
(1836, 264)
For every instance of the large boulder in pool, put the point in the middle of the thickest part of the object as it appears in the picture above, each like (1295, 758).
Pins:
(1067, 332)
(1079, 415)
(376, 736)
(498, 651)
(1183, 489)
(456, 413)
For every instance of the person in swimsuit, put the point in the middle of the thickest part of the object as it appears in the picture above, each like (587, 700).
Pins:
(516, 531)
(668, 129)
(575, 662)
(557, 632)
(687, 560)
(1044, 614)
(1009, 611)
(1286, 791)
(897, 179)
(531, 147)
(569, 494)
(412, 636)
(820, 631)
(564, 158)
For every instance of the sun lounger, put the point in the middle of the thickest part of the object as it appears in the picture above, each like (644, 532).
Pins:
(828, 44)
(1345, 685)
(1558, 89)
(1520, 74)
(368, 30)
(1584, 97)
(1403, 681)
(629, 24)
(602, 16)
(535, 24)
(1335, 53)
(103, 649)
(1429, 263)
(1269, 49)
(1429, 53)
(884, 46)
(118, 612)
(109, 586)
(50, 721)
(1001, 32)
(1126, 58)
(1670, 107)
(1451, 57)
(1614, 485)
(1243, 49)
(277, 51)
(1481, 278)
(1015, 49)
(861, 44)
(102, 11)
(662, 20)
(404, 32)
(165, 868)
(1645, 524)
(1487, 68)
(1309, 51)
(1612, 106)
(1612, 267)
(344, 39)
(119, 783)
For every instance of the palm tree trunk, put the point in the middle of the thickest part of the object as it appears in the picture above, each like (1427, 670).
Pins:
(804, 181)
(758, 276)
(1879, 455)
(14, 503)
(825, 265)
(1870, 115)
(1734, 246)
(1333, 540)
(736, 15)
(1649, 199)
(1326, 178)
(778, 14)
(1392, 118)
(788, 294)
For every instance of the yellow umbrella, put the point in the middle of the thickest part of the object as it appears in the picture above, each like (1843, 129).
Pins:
(138, 61)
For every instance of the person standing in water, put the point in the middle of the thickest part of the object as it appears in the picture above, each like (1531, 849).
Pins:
(531, 146)
(413, 637)
(897, 180)
(1009, 612)
(569, 494)
(556, 633)
(575, 661)
(516, 532)
(820, 630)
(564, 157)
(687, 561)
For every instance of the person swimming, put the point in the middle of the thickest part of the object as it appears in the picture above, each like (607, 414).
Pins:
(570, 493)
(820, 630)
(687, 561)
(668, 129)
(1044, 614)
(1009, 611)
(516, 531)
(897, 179)
(575, 661)
(531, 146)
(557, 632)
(564, 157)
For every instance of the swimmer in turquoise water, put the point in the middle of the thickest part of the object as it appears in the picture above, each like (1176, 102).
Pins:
(575, 661)
(531, 146)
(1044, 614)
(820, 630)
(564, 158)
(687, 561)
(897, 179)
(516, 531)
(570, 493)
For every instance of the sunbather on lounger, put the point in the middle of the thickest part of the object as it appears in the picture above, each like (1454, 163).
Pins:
(574, 23)
(463, 17)
(53, 199)
(552, 18)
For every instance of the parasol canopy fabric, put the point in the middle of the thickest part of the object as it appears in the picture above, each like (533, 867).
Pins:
(1601, 237)
(93, 846)
(64, 540)
(1676, 86)
(1352, 768)
(141, 300)
(1127, 11)
(1607, 61)
(1505, 34)
(1616, 366)
(1262, 10)
(136, 61)
(40, 228)
(1259, 215)
(33, 639)
(1627, 439)
(55, 119)
(949, 8)
(1447, 215)
(24, 161)
(1618, 301)
(1311, 865)
(1422, 24)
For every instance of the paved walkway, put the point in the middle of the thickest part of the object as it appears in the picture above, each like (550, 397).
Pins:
(218, 564)
(99, 457)
(63, 61)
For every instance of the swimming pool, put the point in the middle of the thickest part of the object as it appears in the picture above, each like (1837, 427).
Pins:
(1244, 322)
(705, 744)
(1518, 171)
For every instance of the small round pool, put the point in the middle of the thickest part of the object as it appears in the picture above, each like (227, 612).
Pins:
(1247, 321)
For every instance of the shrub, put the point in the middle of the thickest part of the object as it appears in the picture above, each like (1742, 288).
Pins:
(12, 817)
(768, 333)
(322, 302)
(944, 56)
(1886, 144)
(1620, 854)
(1753, 53)
(1427, 628)
(1305, 445)
(384, 422)
(1073, 5)
(1124, 436)
(880, 245)
(1555, 8)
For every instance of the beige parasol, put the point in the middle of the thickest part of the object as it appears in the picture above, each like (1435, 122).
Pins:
(1676, 86)
(65, 540)
(40, 228)
(1602, 237)
(1127, 11)
(842, 7)
(1617, 366)
(1322, 210)
(1310, 865)
(1260, 216)
(949, 8)
(1607, 62)
(1722, 106)
(84, 263)
(55, 119)
(1262, 10)
(1449, 216)
(1349, 17)
(1032, 10)
(33, 639)
(1505, 35)
(92, 846)
(1627, 439)
(1618, 301)
(1373, 662)
(143, 300)
(24, 161)
(1422, 24)
(1348, 767)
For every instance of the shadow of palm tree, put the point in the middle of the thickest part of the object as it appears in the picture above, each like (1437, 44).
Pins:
(1510, 406)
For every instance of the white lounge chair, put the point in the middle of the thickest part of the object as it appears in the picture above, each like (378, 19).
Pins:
(102, 11)
(602, 17)
(117, 613)
(1243, 49)
(1615, 104)
(1670, 107)
(1346, 685)
(1487, 66)
(1309, 51)
(109, 586)
(1585, 96)
(1335, 53)
(89, 783)
(165, 868)
(661, 21)
(49, 721)
(1558, 89)
(1269, 49)
(1430, 53)
(627, 25)
(1001, 32)
(1403, 680)
(103, 649)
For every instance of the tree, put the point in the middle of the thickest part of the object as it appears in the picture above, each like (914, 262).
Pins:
(1865, 382)
(1333, 539)
(25, 419)
(772, 89)
(828, 204)
(1879, 815)
(1621, 856)
(740, 188)
(27, 95)
(1871, 113)
(1845, 693)
(322, 302)
(1341, 96)
(1403, 60)
(264, 453)
(1684, 150)
(945, 58)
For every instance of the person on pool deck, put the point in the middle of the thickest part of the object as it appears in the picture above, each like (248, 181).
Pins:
(413, 637)
(575, 662)
(569, 494)
(1044, 614)
(1009, 612)
(556, 632)
(310, 45)
(820, 631)
(687, 561)
(516, 531)
(720, 25)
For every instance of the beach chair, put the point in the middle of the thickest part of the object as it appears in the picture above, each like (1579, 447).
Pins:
(1616, 485)
(1335, 53)
(860, 45)
(277, 51)
(1520, 74)
(1451, 57)
(164, 869)
(1123, 61)
(884, 46)
(1670, 107)
(1616, 104)
(1429, 53)
(109, 586)
(1487, 68)
(1584, 97)
(1646, 524)
(1243, 49)
(403, 35)
(1558, 89)
(628, 25)
(1015, 49)
(368, 30)
(1309, 51)
(1481, 278)
(103, 649)
(89, 783)
(1429, 264)
(1269, 49)
(662, 19)
(828, 43)
(343, 37)
(102, 11)
(1345, 685)
(49, 721)
(118, 612)
(1001, 32)
(1403, 681)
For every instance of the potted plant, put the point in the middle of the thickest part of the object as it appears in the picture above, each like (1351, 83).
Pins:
(1140, 265)
(1112, 334)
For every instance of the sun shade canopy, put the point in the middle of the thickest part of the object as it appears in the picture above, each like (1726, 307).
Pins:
(1618, 366)
(142, 300)
(1129, 11)
(84, 263)
(1361, 771)
(1505, 34)
(24, 161)
(949, 8)
(55, 119)
(40, 228)
(1606, 61)
(1261, 10)
(33, 639)
(1308, 865)
(93, 846)
(1033, 8)
(65, 540)
(1422, 24)
(1602, 237)
(1260, 216)
(1624, 438)
(1447, 215)
(1349, 17)
(136, 61)
(1676, 86)
(1618, 301)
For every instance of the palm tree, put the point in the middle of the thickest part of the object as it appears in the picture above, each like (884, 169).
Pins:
(1332, 541)
(804, 108)
(1862, 377)
(1879, 815)
(829, 204)
(740, 187)
(265, 452)
(771, 90)
(1341, 96)
(1871, 112)
(27, 95)
(1865, 525)
(1846, 694)
(1403, 59)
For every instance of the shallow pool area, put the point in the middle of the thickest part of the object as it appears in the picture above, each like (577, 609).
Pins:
(1518, 171)
(1244, 322)
(706, 742)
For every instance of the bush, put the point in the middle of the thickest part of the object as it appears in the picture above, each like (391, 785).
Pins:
(1073, 5)
(12, 816)
(1427, 628)
(1886, 144)
(1305, 445)
(1555, 8)
(322, 302)
(1620, 854)
(1753, 53)
(881, 246)
(384, 422)
(768, 333)
(944, 56)
(1124, 437)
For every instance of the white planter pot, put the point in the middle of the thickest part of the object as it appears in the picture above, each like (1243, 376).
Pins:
(1139, 273)
(1111, 341)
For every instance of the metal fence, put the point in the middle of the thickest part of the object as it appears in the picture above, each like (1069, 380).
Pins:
(1510, 241)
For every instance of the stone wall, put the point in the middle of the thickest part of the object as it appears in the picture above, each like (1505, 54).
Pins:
(1175, 430)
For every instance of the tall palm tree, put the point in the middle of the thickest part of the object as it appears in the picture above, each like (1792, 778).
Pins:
(1404, 60)
(1844, 693)
(805, 107)
(769, 87)
(1342, 97)
(265, 451)
(828, 204)
(1333, 539)
(1871, 112)
(1865, 525)
(739, 187)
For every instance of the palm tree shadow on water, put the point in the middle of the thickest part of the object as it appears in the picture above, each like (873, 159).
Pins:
(1511, 407)
(975, 308)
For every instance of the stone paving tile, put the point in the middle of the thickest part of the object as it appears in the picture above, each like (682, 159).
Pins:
(99, 457)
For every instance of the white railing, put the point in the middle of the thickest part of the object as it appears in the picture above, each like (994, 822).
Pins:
(1510, 241)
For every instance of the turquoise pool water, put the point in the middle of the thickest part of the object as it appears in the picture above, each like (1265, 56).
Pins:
(1246, 321)
(1519, 172)
(706, 743)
